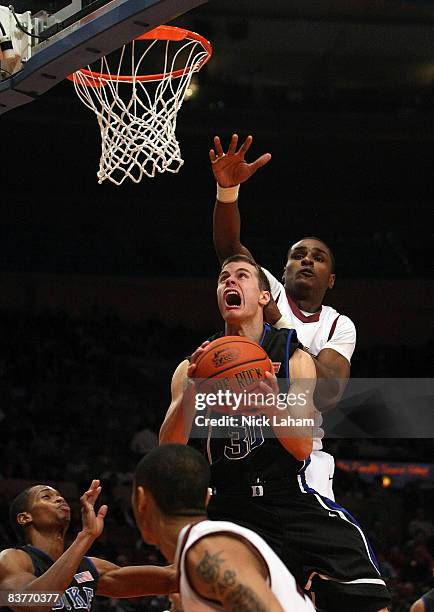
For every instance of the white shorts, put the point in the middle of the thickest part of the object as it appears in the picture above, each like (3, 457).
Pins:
(319, 473)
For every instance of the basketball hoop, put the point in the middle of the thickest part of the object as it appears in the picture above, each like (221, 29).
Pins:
(136, 112)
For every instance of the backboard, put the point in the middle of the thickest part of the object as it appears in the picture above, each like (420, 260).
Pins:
(49, 47)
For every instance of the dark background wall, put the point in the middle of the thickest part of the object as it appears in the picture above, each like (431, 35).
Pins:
(385, 311)
(340, 93)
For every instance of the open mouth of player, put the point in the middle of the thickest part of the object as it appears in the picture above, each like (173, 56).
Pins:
(65, 508)
(306, 273)
(232, 298)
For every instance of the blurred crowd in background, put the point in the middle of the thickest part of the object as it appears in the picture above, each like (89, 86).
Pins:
(83, 398)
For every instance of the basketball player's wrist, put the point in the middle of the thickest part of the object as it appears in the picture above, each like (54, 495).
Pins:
(84, 540)
(227, 195)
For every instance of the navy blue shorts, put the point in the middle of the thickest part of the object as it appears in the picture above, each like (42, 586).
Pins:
(319, 541)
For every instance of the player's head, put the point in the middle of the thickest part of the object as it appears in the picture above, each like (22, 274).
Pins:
(242, 288)
(310, 267)
(39, 508)
(170, 482)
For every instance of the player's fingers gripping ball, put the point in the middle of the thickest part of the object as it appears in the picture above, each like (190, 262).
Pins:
(228, 374)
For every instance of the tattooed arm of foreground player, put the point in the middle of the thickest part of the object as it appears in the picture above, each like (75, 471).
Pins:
(229, 571)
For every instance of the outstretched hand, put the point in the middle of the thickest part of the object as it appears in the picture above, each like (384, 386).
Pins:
(93, 523)
(194, 357)
(230, 168)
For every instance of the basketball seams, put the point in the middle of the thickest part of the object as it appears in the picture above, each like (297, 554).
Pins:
(226, 340)
(235, 362)
(231, 367)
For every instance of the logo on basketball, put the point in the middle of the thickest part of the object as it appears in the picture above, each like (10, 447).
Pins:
(224, 356)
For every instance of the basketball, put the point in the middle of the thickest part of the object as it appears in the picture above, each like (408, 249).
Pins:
(234, 364)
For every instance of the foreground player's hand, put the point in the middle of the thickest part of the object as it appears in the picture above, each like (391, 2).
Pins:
(269, 389)
(230, 168)
(194, 357)
(189, 397)
(93, 523)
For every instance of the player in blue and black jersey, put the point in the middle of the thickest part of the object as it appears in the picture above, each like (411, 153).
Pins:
(40, 565)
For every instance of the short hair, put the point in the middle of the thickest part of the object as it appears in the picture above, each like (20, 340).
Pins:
(177, 476)
(18, 505)
(332, 257)
(263, 282)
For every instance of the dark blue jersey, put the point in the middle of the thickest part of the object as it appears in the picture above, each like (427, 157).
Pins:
(428, 601)
(81, 592)
(249, 453)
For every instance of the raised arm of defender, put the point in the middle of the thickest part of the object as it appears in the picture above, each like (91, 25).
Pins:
(231, 169)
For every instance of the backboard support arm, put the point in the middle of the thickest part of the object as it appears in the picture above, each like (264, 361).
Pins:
(83, 41)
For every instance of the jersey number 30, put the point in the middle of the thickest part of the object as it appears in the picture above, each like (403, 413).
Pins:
(243, 440)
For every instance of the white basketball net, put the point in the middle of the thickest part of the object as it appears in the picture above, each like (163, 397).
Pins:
(137, 118)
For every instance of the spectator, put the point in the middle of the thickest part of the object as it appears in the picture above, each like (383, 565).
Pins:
(143, 441)
(420, 524)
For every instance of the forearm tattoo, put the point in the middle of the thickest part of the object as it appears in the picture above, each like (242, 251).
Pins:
(241, 598)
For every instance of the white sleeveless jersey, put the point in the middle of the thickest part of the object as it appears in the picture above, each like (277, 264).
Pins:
(281, 581)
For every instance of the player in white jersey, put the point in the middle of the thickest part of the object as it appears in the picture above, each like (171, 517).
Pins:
(325, 330)
(308, 274)
(246, 547)
(220, 565)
